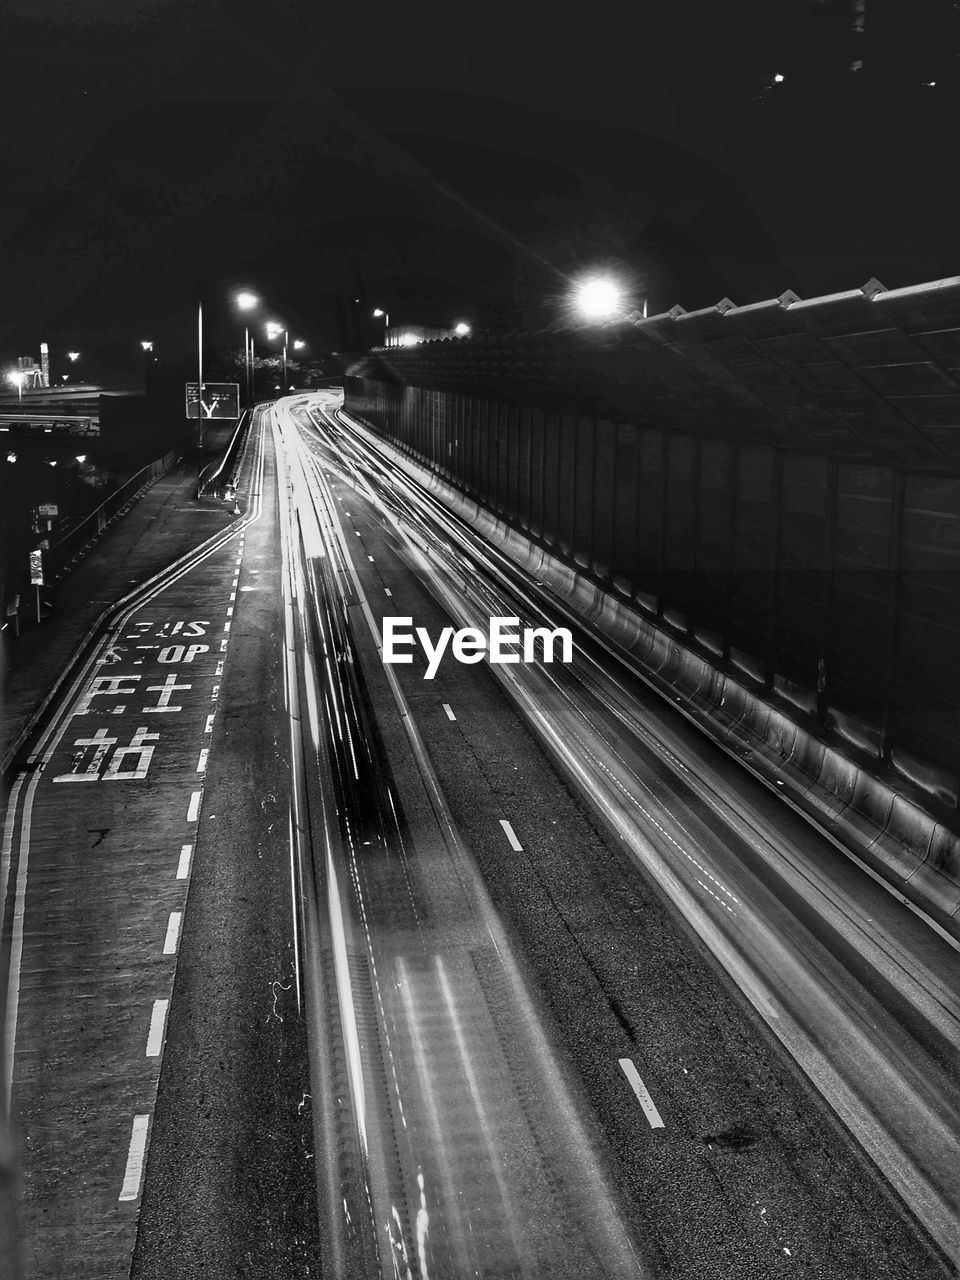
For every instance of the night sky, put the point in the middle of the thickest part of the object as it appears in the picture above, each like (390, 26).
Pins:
(460, 160)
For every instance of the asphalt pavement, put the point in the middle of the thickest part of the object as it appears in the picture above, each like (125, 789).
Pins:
(164, 523)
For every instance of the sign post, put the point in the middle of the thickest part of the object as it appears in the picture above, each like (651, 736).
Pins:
(219, 400)
(36, 575)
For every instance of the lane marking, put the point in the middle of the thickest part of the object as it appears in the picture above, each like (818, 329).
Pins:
(230, 610)
(208, 727)
(226, 626)
(173, 933)
(183, 866)
(134, 1171)
(158, 1020)
(511, 836)
(387, 591)
(194, 809)
(202, 761)
(640, 1089)
(370, 558)
(223, 645)
(449, 710)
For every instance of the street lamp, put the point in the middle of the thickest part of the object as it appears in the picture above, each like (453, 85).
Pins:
(17, 377)
(146, 346)
(73, 356)
(246, 301)
(273, 331)
(462, 329)
(298, 344)
(598, 298)
(386, 322)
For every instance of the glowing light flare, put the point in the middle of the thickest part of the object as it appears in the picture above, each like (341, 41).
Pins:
(246, 301)
(599, 298)
(461, 329)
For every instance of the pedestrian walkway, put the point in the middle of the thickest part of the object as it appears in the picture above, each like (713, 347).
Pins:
(163, 524)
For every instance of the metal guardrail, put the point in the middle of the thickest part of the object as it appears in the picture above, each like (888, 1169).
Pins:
(71, 545)
(226, 465)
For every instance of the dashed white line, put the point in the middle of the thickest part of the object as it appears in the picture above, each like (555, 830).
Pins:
(219, 670)
(449, 710)
(226, 626)
(173, 933)
(158, 1020)
(223, 645)
(640, 1089)
(230, 611)
(183, 866)
(202, 760)
(511, 836)
(370, 558)
(134, 1171)
(387, 591)
(193, 809)
(208, 727)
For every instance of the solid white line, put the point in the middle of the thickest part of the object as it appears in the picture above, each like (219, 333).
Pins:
(173, 931)
(155, 1035)
(183, 866)
(449, 710)
(640, 1089)
(193, 811)
(138, 1146)
(509, 833)
(202, 761)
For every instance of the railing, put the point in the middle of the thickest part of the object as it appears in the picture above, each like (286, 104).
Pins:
(226, 465)
(69, 548)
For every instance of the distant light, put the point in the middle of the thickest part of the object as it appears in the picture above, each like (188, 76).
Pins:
(599, 298)
(16, 377)
(273, 329)
(146, 346)
(247, 300)
(462, 329)
(81, 457)
(778, 79)
(51, 462)
(11, 456)
(298, 344)
(64, 377)
(929, 83)
(291, 387)
(408, 339)
(378, 312)
(73, 355)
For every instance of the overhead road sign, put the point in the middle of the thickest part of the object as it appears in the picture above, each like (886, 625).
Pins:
(219, 400)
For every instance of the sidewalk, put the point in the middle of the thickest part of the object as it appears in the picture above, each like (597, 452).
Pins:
(164, 524)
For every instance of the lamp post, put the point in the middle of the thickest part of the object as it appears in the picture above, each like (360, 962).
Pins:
(386, 322)
(17, 378)
(246, 301)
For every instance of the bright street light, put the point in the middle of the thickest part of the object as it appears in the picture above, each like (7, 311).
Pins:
(245, 300)
(73, 356)
(298, 344)
(146, 346)
(17, 377)
(462, 329)
(81, 457)
(598, 298)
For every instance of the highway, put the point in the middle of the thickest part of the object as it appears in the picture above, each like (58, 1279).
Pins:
(504, 972)
(859, 992)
